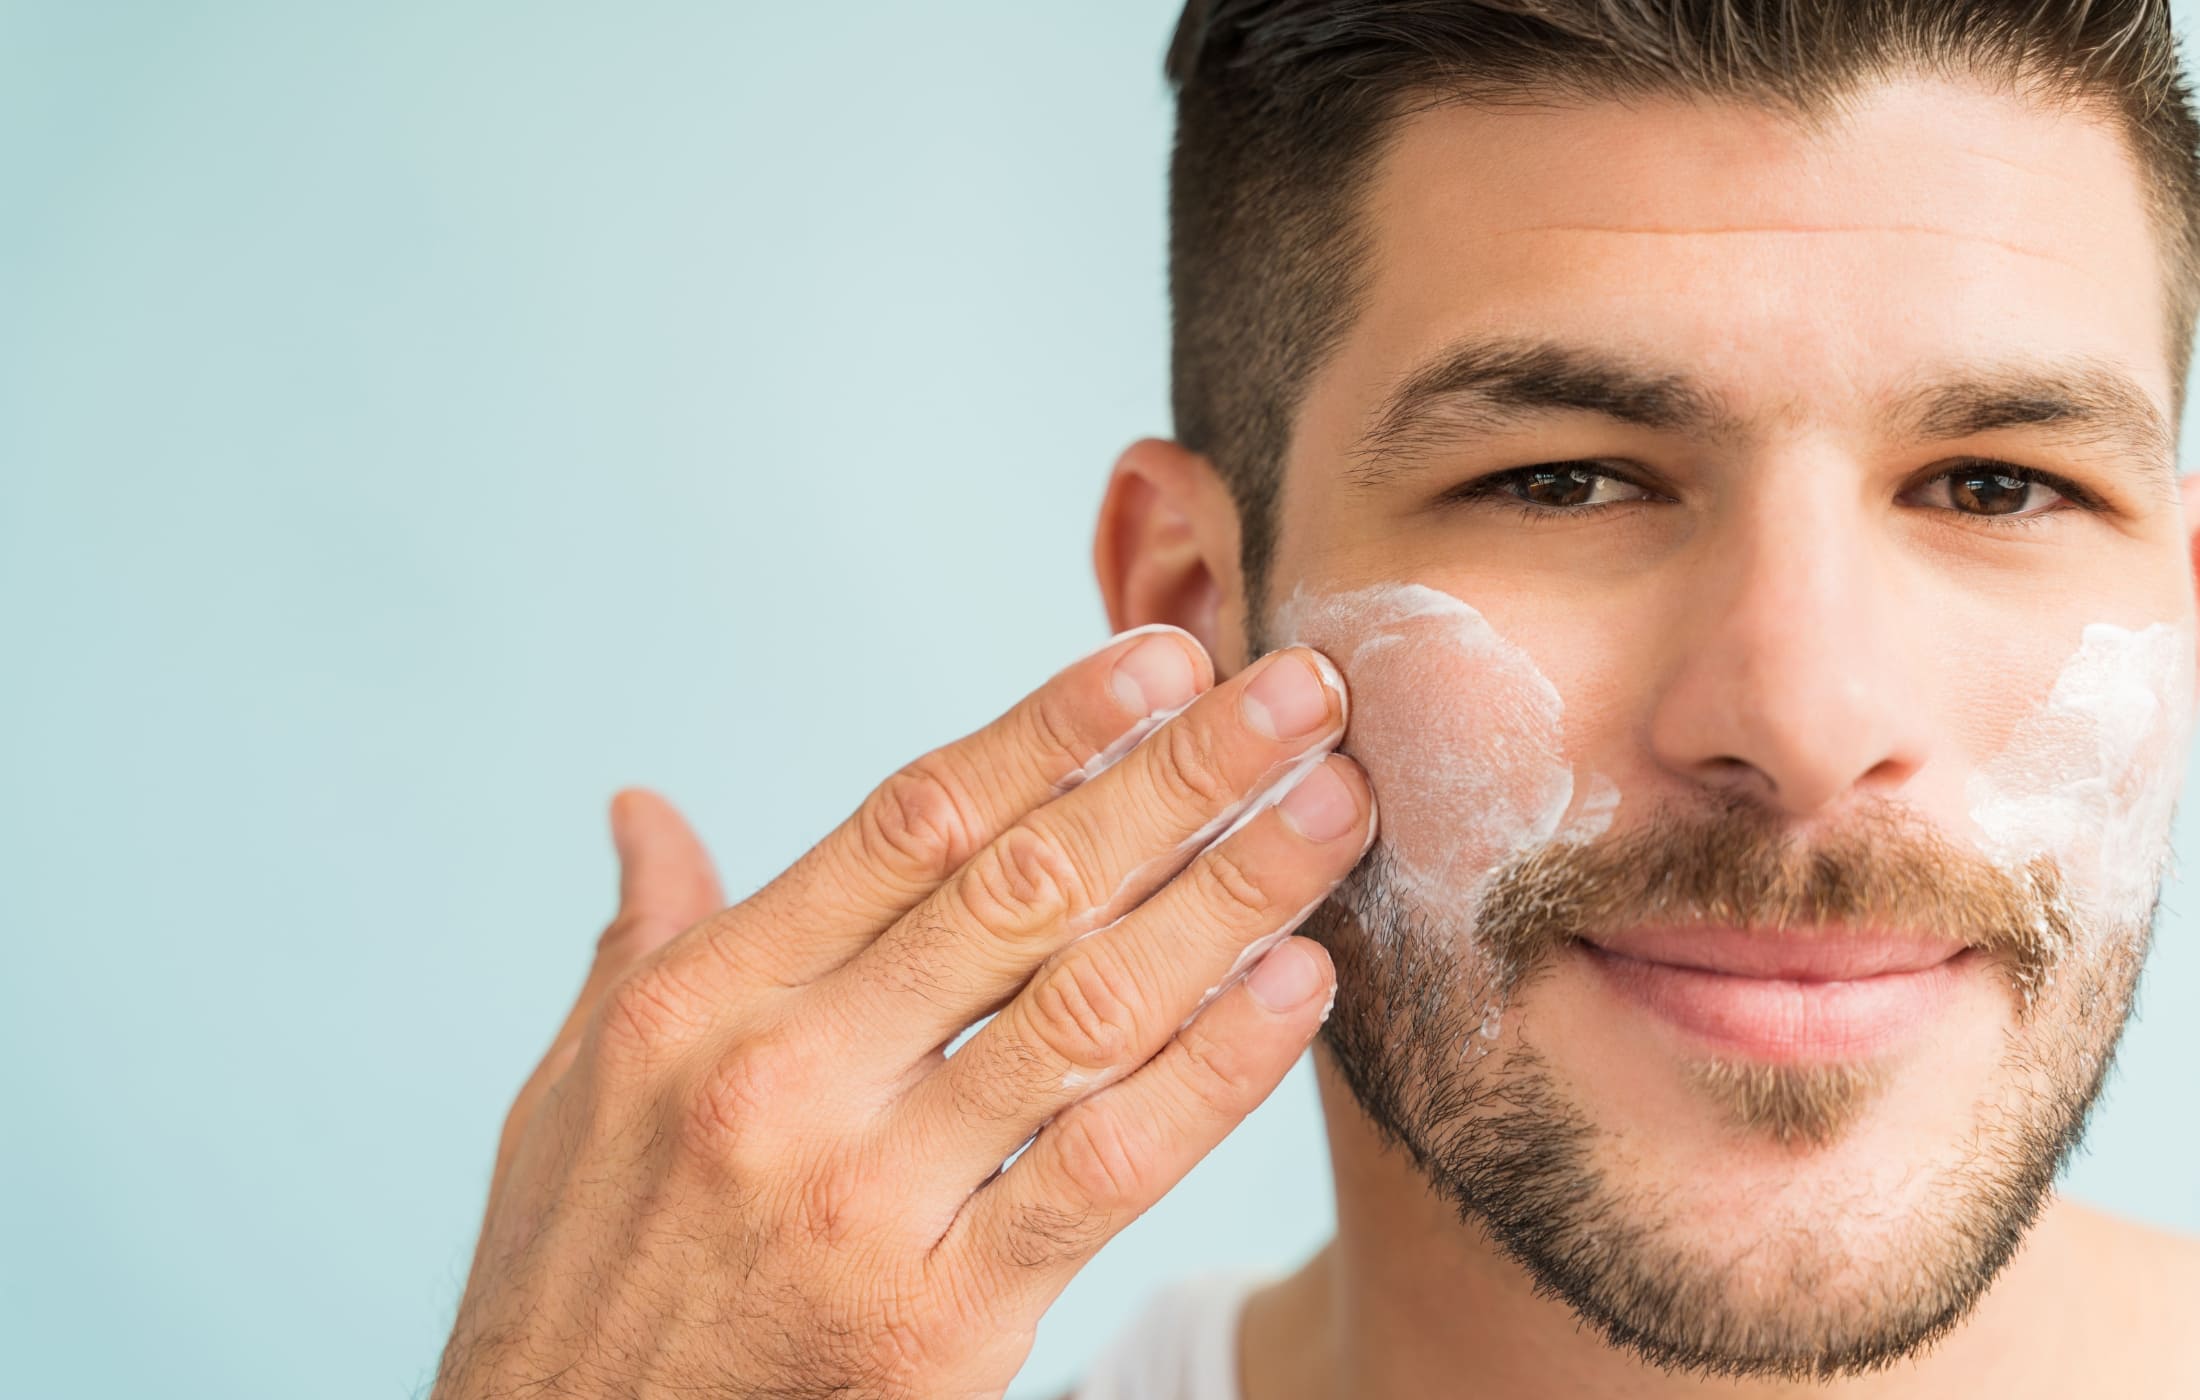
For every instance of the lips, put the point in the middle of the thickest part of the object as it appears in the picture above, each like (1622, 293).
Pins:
(1780, 995)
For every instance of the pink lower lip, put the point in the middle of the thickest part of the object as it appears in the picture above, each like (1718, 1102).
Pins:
(1773, 1018)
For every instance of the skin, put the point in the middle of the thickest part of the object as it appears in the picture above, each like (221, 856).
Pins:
(744, 1165)
(1798, 614)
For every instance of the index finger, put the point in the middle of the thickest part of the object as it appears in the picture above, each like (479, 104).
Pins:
(923, 823)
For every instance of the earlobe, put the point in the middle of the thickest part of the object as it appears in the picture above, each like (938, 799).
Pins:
(1166, 545)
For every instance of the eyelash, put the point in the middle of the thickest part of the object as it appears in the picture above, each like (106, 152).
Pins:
(1489, 490)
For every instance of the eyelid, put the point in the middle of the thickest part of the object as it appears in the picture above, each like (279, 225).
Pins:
(2062, 486)
(1491, 484)
(1489, 488)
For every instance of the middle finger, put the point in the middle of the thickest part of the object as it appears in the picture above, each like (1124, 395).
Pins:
(1075, 864)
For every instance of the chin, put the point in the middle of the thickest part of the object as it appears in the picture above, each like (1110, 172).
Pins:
(1805, 1207)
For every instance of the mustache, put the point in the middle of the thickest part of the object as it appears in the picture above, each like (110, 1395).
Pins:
(1733, 862)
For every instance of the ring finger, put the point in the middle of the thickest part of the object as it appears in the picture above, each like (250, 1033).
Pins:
(1109, 1003)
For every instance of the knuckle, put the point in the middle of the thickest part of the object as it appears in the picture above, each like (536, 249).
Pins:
(1231, 888)
(1099, 1159)
(649, 1016)
(1189, 770)
(1084, 1012)
(1019, 884)
(915, 823)
(737, 1096)
(1000, 1089)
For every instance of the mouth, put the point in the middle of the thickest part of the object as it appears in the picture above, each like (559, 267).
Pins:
(1782, 996)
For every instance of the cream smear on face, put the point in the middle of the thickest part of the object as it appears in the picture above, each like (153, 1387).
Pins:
(2088, 780)
(1461, 735)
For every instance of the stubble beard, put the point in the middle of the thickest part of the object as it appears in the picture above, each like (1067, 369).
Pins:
(1496, 1132)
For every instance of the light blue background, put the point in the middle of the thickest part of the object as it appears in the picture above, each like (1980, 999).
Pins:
(418, 420)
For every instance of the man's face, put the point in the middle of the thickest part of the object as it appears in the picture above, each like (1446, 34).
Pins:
(1772, 654)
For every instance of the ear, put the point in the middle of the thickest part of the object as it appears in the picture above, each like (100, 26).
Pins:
(1166, 548)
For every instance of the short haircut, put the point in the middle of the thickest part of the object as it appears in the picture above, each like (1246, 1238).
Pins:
(1283, 107)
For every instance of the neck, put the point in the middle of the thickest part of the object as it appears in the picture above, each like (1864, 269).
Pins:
(1409, 1301)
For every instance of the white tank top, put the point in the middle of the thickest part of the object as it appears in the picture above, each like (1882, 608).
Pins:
(1181, 1346)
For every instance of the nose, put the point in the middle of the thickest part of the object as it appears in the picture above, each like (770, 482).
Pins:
(1789, 681)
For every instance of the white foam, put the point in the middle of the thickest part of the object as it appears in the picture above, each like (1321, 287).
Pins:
(1466, 781)
(2089, 779)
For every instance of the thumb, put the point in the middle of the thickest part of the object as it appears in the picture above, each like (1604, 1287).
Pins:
(666, 880)
(666, 885)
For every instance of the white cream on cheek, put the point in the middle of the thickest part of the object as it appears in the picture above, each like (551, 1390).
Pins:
(1461, 735)
(1463, 738)
(2088, 780)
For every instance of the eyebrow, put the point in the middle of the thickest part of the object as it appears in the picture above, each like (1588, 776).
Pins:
(1484, 385)
(2090, 399)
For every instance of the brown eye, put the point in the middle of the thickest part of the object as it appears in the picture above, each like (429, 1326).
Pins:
(1561, 487)
(1990, 493)
(1985, 490)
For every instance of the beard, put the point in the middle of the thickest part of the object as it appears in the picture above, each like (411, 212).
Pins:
(1492, 1125)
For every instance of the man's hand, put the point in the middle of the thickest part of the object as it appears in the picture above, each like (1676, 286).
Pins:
(747, 1165)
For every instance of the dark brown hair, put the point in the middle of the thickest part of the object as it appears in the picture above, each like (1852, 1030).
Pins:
(1283, 107)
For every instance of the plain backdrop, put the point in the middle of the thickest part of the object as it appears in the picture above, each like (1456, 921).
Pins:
(418, 420)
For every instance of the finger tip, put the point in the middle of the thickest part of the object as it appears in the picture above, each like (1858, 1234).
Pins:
(1347, 767)
(1328, 978)
(1322, 961)
(1195, 651)
(1334, 680)
(1291, 975)
(629, 806)
(634, 801)
(1355, 776)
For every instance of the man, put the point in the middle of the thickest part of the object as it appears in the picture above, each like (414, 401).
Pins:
(1725, 455)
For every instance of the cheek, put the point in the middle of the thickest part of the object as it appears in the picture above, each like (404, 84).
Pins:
(1462, 737)
(2088, 779)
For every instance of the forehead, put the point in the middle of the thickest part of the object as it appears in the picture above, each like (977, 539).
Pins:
(1800, 271)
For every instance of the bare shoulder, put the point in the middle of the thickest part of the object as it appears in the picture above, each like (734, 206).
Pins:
(2146, 1254)
(2148, 1280)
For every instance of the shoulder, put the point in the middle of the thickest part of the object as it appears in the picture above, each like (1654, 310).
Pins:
(2144, 1254)
(2147, 1279)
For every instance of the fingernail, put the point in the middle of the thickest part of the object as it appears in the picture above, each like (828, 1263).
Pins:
(1287, 700)
(1287, 977)
(1153, 676)
(1321, 807)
